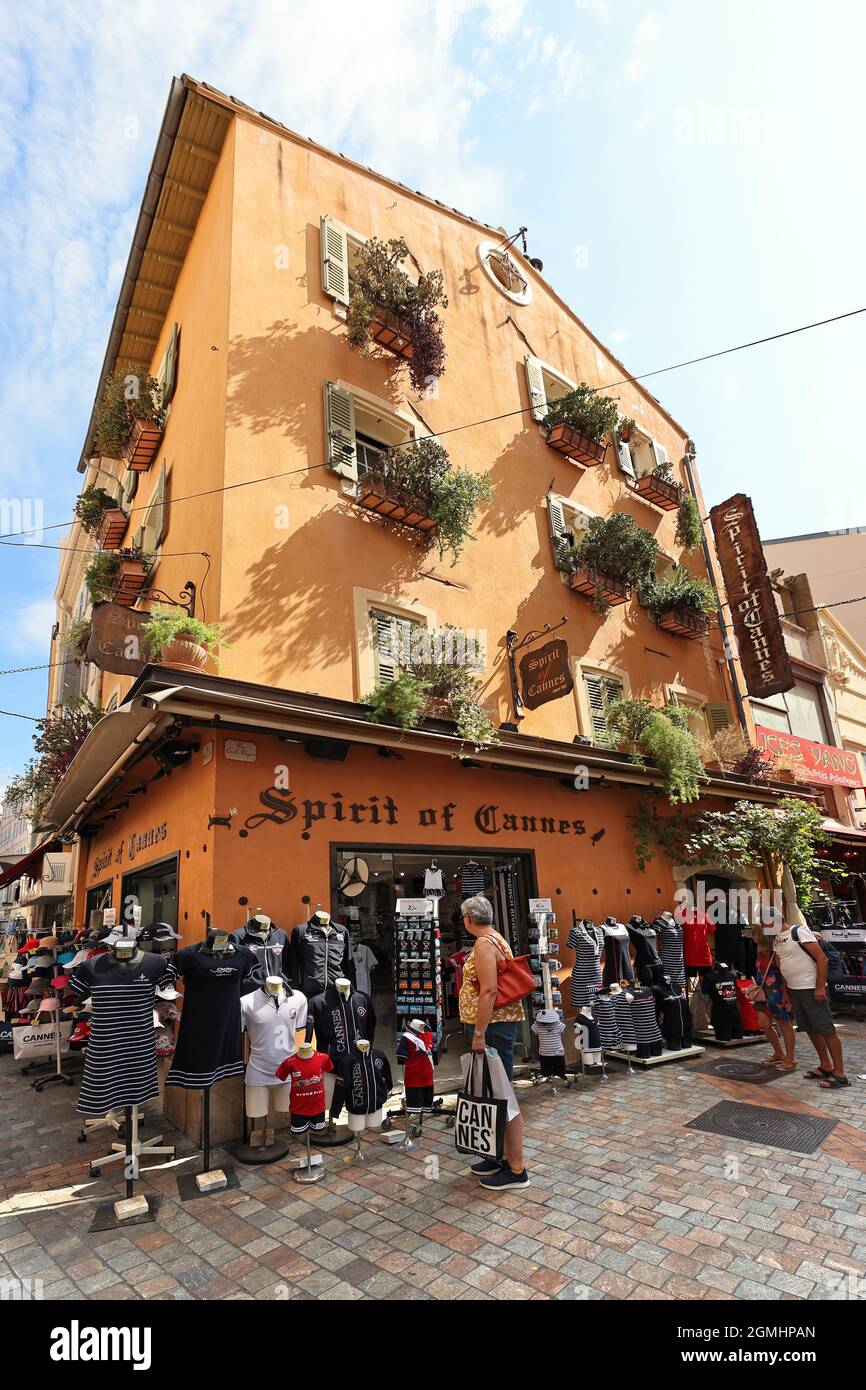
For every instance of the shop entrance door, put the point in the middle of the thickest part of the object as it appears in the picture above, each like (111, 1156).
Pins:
(369, 906)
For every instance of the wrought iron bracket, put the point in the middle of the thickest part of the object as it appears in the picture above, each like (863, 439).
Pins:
(514, 644)
(185, 599)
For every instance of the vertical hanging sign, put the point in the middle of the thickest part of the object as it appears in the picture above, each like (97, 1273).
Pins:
(755, 618)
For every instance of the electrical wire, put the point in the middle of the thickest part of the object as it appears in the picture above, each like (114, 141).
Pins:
(472, 424)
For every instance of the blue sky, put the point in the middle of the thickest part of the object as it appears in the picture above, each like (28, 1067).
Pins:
(691, 175)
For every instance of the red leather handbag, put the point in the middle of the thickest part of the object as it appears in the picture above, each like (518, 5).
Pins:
(514, 978)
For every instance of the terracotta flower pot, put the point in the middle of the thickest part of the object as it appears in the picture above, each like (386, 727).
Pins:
(184, 654)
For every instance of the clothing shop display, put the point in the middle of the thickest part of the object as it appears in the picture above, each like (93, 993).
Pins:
(307, 1096)
(209, 1043)
(669, 934)
(617, 960)
(338, 1021)
(720, 985)
(120, 1061)
(675, 1019)
(433, 885)
(247, 935)
(604, 1013)
(319, 953)
(366, 1079)
(271, 1022)
(622, 1000)
(587, 942)
(587, 1037)
(648, 962)
(750, 954)
(415, 1052)
(647, 1032)
(696, 950)
(729, 945)
(364, 963)
(471, 879)
(548, 1028)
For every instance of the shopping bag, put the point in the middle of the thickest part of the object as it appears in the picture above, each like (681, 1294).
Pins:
(480, 1119)
(40, 1040)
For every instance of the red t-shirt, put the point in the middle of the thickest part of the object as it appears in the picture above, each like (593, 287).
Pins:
(308, 1082)
(696, 950)
(748, 1016)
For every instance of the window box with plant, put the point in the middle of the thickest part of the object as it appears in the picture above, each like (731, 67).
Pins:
(388, 308)
(577, 422)
(416, 487)
(437, 688)
(118, 575)
(681, 604)
(100, 515)
(175, 639)
(609, 557)
(77, 638)
(129, 418)
(660, 487)
(662, 735)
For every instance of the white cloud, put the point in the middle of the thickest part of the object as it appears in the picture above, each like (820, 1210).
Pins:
(26, 629)
(618, 335)
(644, 41)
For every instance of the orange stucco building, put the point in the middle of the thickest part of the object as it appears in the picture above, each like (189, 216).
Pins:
(254, 786)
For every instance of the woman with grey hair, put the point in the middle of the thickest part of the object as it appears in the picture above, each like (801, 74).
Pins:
(486, 1026)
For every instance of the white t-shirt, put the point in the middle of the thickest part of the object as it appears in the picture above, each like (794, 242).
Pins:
(272, 1029)
(800, 971)
(364, 961)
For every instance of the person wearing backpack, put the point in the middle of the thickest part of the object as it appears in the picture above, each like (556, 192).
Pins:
(804, 966)
(495, 1028)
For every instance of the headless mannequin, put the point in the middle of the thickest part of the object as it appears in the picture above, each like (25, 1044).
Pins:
(358, 1123)
(218, 943)
(257, 1098)
(308, 1169)
(344, 988)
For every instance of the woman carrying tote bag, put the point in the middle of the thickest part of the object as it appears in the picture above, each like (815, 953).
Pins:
(492, 1030)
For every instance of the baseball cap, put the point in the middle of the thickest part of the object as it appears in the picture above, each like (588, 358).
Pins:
(163, 931)
(60, 981)
(166, 992)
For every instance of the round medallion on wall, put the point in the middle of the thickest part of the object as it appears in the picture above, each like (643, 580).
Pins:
(503, 271)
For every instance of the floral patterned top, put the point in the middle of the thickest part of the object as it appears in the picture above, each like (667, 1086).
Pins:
(468, 997)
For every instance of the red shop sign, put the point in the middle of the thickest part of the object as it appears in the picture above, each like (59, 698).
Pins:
(817, 763)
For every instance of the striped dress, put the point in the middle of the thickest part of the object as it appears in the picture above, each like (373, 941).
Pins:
(120, 1061)
(587, 942)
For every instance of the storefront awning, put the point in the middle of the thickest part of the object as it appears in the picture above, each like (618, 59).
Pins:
(840, 831)
(30, 864)
(102, 755)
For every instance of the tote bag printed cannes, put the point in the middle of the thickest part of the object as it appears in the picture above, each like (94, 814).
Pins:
(31, 1043)
(479, 1127)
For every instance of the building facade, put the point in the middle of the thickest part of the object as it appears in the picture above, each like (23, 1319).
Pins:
(265, 785)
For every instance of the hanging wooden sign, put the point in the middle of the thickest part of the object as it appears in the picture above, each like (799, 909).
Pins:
(116, 639)
(755, 618)
(545, 674)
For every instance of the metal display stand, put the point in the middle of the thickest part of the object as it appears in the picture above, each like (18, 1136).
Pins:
(633, 1060)
(131, 1207)
(544, 921)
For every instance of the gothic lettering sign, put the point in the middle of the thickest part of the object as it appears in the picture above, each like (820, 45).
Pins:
(116, 639)
(818, 763)
(127, 851)
(755, 618)
(545, 674)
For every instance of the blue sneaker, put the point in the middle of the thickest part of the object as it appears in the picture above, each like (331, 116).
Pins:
(504, 1180)
(486, 1166)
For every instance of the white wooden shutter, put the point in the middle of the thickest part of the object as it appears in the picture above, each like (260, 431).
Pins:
(169, 374)
(156, 517)
(392, 640)
(601, 692)
(335, 260)
(340, 431)
(718, 717)
(535, 387)
(560, 525)
(623, 456)
(661, 458)
(128, 491)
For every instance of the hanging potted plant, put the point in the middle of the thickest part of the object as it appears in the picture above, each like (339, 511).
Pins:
(611, 555)
(175, 639)
(399, 314)
(660, 487)
(100, 516)
(129, 418)
(689, 533)
(117, 575)
(76, 639)
(625, 430)
(576, 424)
(681, 604)
(416, 487)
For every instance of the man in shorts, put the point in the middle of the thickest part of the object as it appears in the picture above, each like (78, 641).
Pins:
(804, 971)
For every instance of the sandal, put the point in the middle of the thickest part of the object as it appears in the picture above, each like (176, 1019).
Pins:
(786, 1066)
(834, 1083)
(771, 1061)
(819, 1074)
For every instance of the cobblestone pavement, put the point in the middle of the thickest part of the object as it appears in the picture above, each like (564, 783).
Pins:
(625, 1202)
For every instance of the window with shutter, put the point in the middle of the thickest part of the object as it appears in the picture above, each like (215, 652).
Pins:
(128, 491)
(601, 692)
(718, 717)
(335, 260)
(340, 446)
(566, 520)
(535, 387)
(660, 455)
(624, 459)
(392, 643)
(156, 517)
(167, 375)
